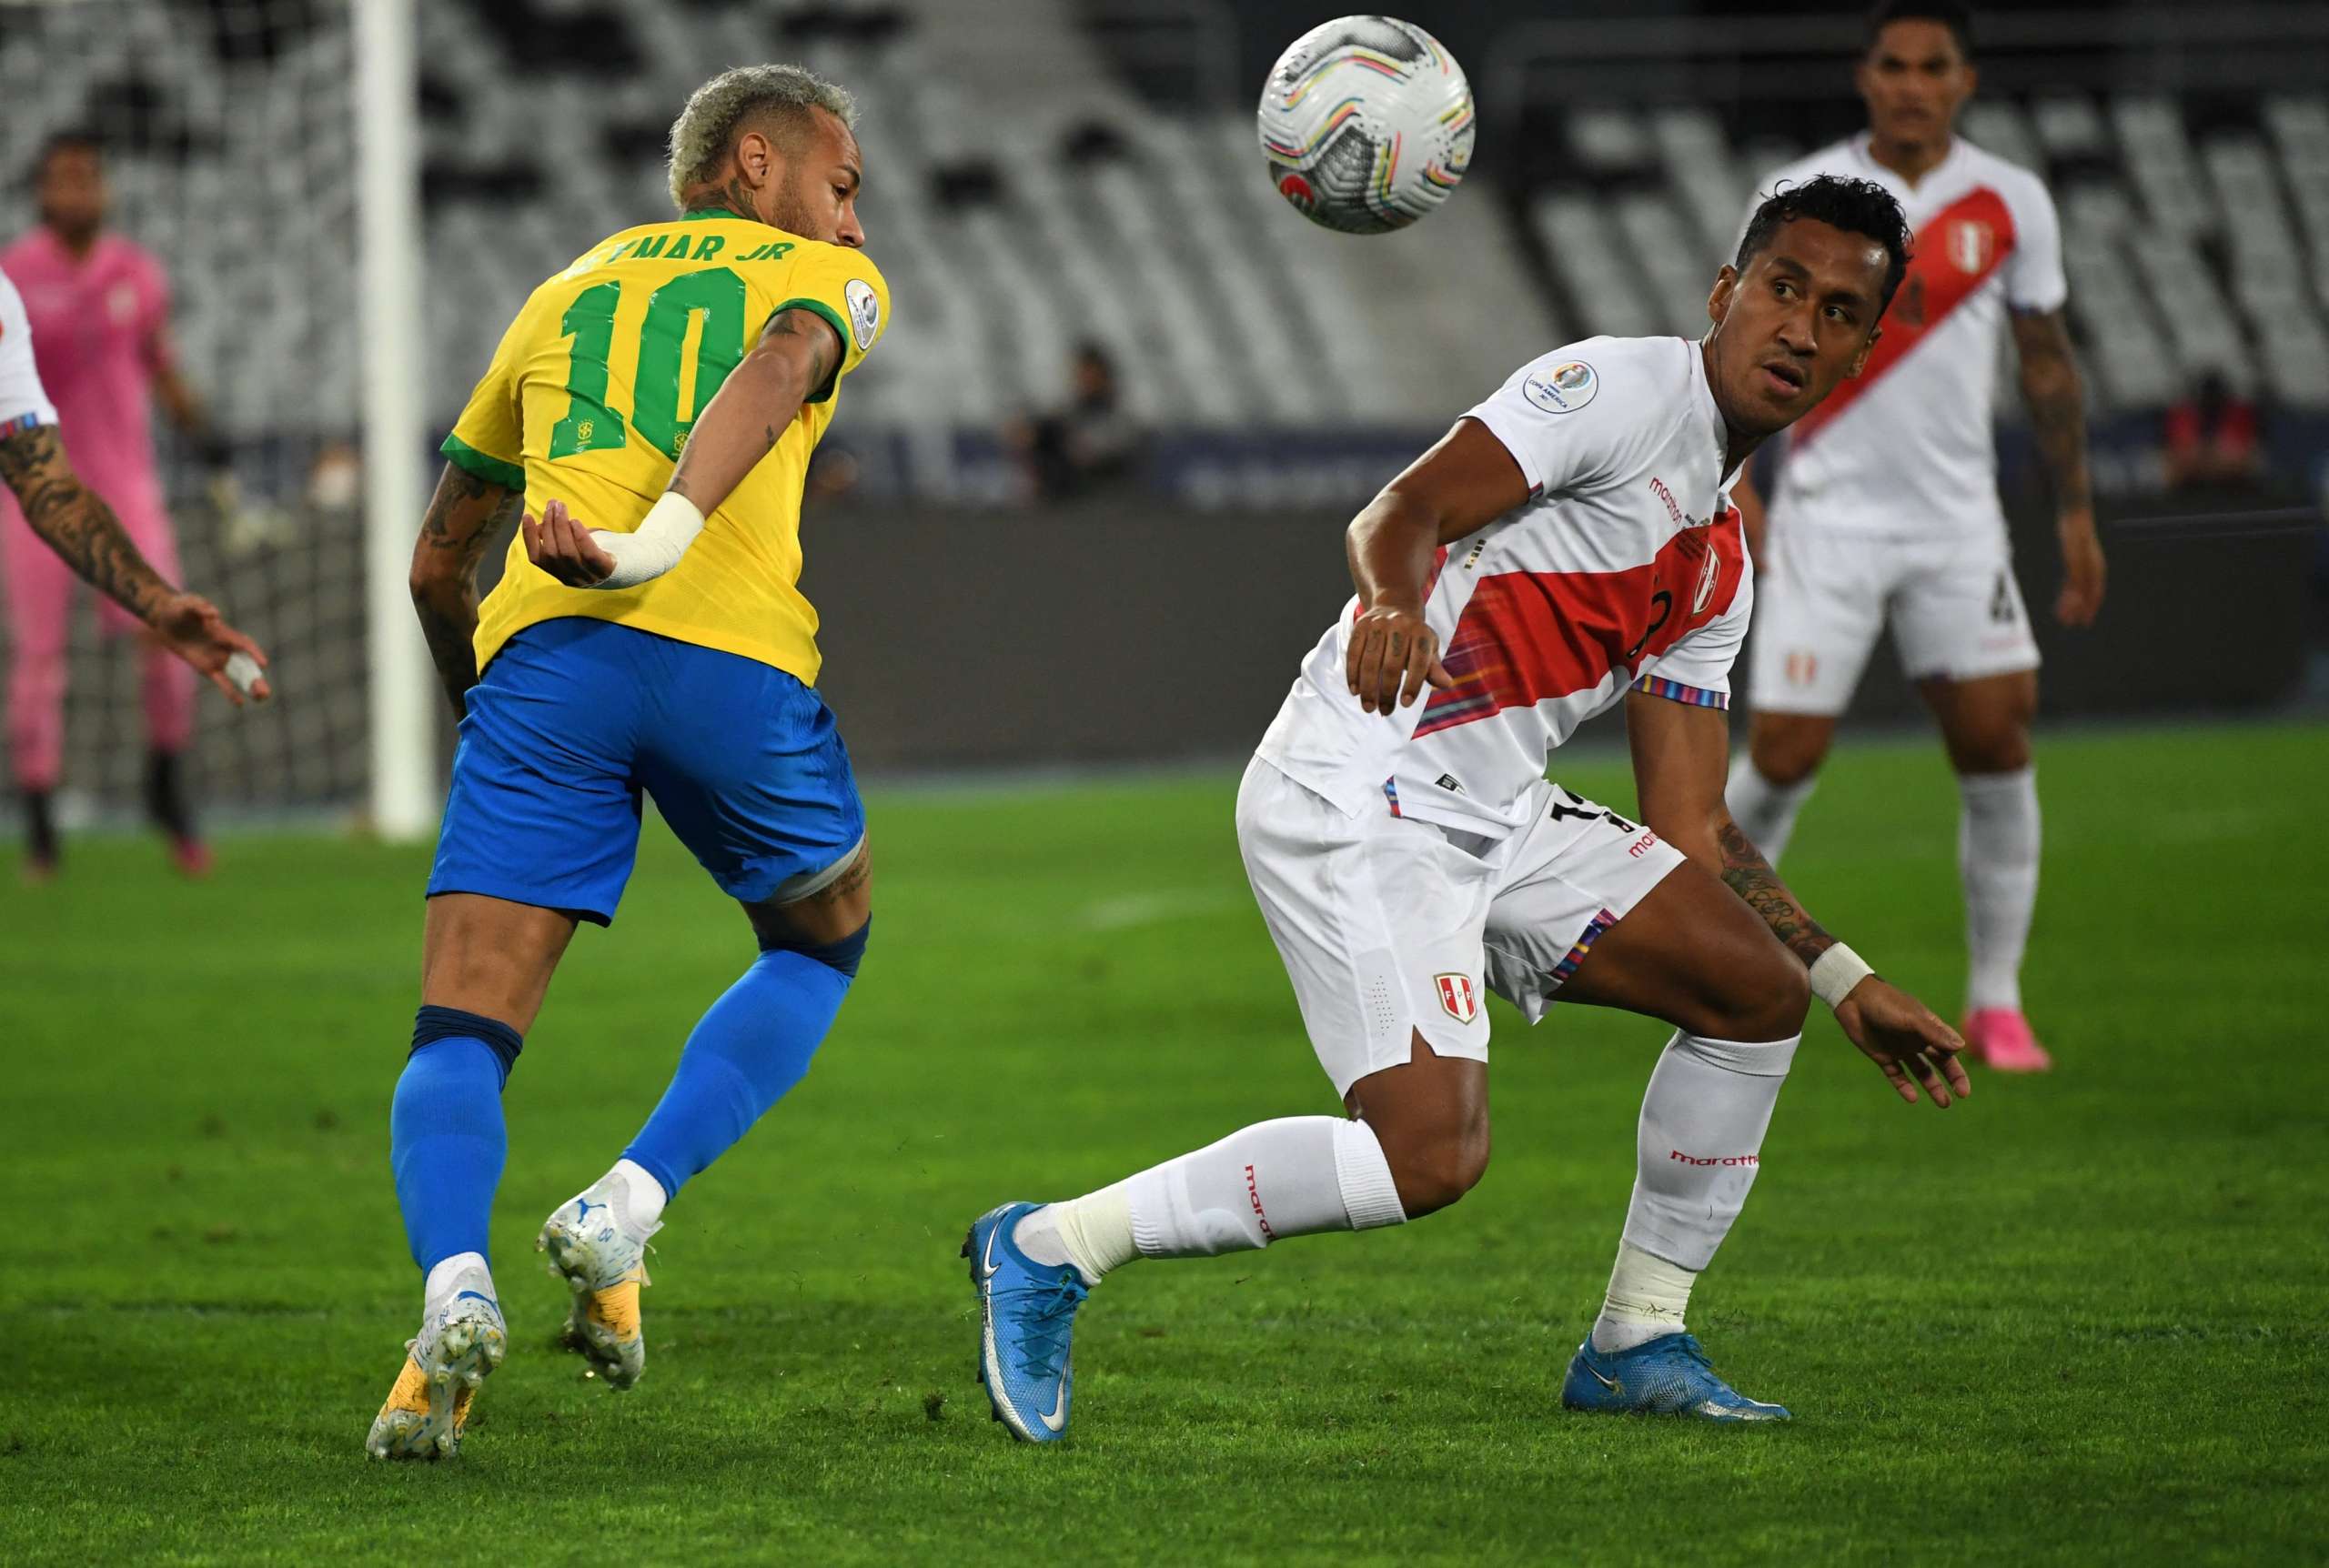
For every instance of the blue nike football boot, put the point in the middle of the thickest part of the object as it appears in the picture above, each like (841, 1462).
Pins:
(1667, 1376)
(1029, 1309)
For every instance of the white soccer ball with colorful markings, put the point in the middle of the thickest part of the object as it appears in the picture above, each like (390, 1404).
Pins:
(1367, 124)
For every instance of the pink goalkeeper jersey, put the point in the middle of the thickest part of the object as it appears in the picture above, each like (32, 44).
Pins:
(1625, 568)
(98, 338)
(24, 403)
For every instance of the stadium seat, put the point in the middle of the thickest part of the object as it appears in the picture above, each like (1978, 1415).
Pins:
(1589, 260)
(1206, 306)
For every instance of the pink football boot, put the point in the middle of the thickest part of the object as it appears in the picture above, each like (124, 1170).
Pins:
(192, 856)
(1999, 1039)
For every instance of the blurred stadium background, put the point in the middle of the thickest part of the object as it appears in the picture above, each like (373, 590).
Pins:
(1045, 174)
(2078, 1321)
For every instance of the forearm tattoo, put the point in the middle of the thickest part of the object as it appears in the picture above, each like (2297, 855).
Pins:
(448, 621)
(1752, 878)
(460, 522)
(2049, 384)
(77, 524)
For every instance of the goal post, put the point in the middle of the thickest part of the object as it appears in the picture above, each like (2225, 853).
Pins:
(402, 718)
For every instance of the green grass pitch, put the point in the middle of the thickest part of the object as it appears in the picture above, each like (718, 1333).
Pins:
(2078, 1319)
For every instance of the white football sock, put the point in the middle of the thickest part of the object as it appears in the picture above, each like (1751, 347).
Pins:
(452, 1274)
(1093, 1232)
(1648, 1298)
(1700, 1142)
(1292, 1177)
(1997, 856)
(640, 1202)
(1765, 812)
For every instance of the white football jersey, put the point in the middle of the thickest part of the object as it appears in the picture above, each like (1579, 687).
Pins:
(1625, 565)
(1908, 447)
(22, 404)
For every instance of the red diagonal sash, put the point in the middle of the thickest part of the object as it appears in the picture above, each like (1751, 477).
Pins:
(1525, 637)
(1958, 249)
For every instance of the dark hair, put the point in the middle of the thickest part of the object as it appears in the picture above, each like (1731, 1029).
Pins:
(1957, 18)
(72, 140)
(1856, 206)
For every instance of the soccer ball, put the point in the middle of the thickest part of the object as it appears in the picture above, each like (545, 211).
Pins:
(1367, 124)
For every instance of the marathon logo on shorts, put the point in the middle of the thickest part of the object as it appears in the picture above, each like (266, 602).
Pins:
(1456, 997)
(1717, 1159)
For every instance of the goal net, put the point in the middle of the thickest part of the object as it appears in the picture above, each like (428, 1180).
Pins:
(228, 144)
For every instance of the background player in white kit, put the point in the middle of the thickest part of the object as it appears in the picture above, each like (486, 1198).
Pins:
(1887, 507)
(81, 529)
(1570, 546)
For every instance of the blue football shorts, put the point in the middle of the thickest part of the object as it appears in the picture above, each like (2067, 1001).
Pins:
(575, 718)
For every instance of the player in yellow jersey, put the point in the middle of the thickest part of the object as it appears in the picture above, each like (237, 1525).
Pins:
(651, 412)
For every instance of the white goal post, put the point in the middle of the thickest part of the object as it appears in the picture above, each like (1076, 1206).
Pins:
(403, 722)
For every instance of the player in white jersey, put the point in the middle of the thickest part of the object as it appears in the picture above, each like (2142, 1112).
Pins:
(79, 527)
(1887, 507)
(1568, 545)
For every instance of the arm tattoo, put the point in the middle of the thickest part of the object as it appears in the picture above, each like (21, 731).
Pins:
(1752, 878)
(711, 464)
(77, 525)
(456, 493)
(824, 344)
(461, 520)
(450, 627)
(2050, 383)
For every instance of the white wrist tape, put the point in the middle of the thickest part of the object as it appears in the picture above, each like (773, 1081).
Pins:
(655, 547)
(1835, 972)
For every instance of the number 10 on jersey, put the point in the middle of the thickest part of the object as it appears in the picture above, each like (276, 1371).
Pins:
(593, 424)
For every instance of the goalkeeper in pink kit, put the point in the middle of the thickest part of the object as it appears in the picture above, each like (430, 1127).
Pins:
(98, 309)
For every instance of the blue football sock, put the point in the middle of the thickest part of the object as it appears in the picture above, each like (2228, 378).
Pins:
(446, 1141)
(744, 1056)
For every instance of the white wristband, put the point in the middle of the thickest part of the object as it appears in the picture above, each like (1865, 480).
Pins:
(1835, 972)
(653, 547)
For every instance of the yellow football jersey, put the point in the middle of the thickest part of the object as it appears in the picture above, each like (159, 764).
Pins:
(589, 398)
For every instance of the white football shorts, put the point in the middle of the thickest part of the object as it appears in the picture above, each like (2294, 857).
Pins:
(1391, 926)
(1821, 597)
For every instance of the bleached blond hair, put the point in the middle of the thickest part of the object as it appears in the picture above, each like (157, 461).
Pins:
(707, 127)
